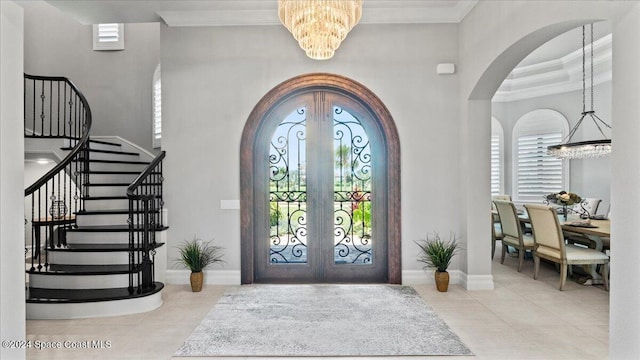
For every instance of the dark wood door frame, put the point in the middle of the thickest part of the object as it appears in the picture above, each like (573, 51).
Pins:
(280, 93)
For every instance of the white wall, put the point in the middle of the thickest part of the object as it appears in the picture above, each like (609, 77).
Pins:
(117, 84)
(624, 309)
(588, 178)
(12, 276)
(213, 77)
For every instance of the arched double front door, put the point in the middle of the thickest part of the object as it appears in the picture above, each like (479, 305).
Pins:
(320, 185)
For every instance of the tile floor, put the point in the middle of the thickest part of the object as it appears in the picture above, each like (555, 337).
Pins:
(521, 319)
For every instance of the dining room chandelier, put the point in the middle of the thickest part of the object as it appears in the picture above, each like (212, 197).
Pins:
(319, 26)
(590, 148)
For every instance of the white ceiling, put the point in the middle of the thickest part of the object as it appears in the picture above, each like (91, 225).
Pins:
(251, 12)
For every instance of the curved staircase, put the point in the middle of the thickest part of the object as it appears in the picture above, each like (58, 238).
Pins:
(96, 258)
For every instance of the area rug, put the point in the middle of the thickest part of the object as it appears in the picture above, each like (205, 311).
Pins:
(322, 320)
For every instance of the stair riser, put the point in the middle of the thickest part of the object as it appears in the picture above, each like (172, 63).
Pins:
(112, 178)
(98, 166)
(107, 219)
(94, 309)
(88, 258)
(106, 204)
(78, 281)
(75, 237)
(107, 190)
(112, 156)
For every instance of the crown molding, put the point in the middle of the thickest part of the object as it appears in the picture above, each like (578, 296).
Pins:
(252, 12)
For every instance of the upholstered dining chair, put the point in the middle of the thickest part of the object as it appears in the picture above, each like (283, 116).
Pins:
(589, 206)
(496, 230)
(512, 231)
(550, 245)
(496, 234)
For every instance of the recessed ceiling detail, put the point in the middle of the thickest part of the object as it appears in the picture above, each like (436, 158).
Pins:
(556, 76)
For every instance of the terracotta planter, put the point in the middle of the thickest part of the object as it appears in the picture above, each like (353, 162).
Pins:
(196, 281)
(442, 280)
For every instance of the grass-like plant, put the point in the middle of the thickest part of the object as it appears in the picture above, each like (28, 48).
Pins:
(197, 255)
(437, 253)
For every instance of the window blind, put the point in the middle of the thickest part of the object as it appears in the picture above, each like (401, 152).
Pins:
(496, 161)
(538, 173)
(157, 109)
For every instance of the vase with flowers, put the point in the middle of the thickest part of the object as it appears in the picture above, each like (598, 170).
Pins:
(564, 199)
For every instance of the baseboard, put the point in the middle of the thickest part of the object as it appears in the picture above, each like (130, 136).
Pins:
(409, 277)
(421, 277)
(469, 282)
(211, 277)
(476, 282)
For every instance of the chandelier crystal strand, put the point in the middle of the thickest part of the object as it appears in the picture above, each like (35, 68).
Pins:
(319, 26)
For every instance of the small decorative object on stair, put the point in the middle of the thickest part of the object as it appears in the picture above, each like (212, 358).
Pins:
(58, 209)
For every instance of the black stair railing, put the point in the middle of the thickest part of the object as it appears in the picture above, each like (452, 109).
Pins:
(145, 218)
(55, 108)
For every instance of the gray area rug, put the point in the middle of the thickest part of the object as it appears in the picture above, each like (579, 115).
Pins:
(322, 320)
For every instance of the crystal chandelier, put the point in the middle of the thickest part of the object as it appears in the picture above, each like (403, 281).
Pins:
(584, 149)
(319, 25)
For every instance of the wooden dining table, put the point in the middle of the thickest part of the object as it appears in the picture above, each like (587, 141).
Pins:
(599, 233)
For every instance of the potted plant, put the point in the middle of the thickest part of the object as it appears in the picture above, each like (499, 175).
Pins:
(197, 255)
(437, 253)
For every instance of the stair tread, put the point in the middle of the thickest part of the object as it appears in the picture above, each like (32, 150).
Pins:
(115, 152)
(103, 142)
(114, 197)
(72, 269)
(112, 172)
(40, 295)
(115, 161)
(109, 184)
(108, 212)
(107, 228)
(98, 247)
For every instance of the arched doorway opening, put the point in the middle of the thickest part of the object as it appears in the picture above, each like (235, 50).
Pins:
(320, 185)
(476, 143)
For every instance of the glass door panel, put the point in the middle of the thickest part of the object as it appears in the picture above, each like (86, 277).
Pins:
(288, 191)
(352, 190)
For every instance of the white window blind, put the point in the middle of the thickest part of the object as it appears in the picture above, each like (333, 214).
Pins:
(496, 168)
(538, 174)
(108, 36)
(157, 108)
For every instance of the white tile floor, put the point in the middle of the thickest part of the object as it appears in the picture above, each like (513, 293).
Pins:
(521, 319)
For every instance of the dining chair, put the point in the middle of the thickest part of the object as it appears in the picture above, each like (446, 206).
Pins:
(512, 234)
(496, 229)
(496, 234)
(589, 206)
(550, 245)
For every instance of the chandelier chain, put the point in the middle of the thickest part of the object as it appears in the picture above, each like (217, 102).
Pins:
(584, 75)
(592, 67)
